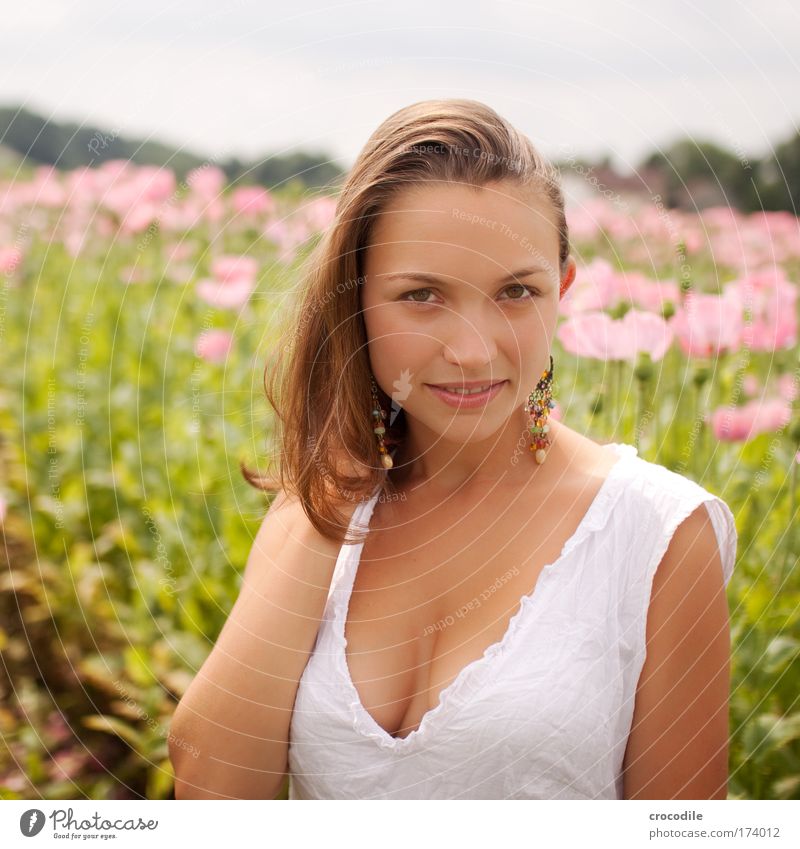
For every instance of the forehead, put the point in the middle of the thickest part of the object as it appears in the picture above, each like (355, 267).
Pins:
(496, 225)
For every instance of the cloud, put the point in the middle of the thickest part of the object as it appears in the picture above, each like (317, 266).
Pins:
(250, 78)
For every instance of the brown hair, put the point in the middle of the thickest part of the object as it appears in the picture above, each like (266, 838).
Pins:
(321, 394)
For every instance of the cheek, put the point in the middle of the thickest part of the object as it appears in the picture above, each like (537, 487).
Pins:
(522, 344)
(376, 319)
(396, 338)
(397, 355)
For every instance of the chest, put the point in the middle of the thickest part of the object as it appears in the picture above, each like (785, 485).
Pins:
(434, 590)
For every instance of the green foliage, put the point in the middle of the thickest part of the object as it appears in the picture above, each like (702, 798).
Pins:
(43, 141)
(129, 524)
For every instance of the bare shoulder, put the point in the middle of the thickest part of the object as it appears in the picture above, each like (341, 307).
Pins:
(277, 526)
(679, 739)
(285, 523)
(693, 556)
(582, 455)
(599, 453)
(288, 512)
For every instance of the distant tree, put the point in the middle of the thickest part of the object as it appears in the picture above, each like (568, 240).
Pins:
(779, 177)
(67, 145)
(688, 160)
(689, 170)
(310, 169)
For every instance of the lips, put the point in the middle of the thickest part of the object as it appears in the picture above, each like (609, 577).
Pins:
(468, 385)
(467, 400)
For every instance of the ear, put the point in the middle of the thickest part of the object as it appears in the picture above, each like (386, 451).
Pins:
(569, 276)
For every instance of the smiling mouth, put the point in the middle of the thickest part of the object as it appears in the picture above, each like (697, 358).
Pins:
(475, 389)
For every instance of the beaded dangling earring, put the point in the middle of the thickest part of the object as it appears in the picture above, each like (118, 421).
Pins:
(378, 418)
(539, 404)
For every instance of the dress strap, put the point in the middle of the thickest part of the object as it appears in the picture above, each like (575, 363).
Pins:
(659, 501)
(677, 505)
(349, 554)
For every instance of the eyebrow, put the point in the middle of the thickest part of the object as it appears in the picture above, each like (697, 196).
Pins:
(425, 277)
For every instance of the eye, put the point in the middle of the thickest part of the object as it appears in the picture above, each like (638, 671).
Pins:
(526, 293)
(524, 289)
(408, 296)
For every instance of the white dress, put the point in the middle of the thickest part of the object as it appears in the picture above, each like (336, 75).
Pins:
(546, 712)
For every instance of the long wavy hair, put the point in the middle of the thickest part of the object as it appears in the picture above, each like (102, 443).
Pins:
(318, 381)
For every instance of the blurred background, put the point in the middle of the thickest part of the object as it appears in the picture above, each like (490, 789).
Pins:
(164, 170)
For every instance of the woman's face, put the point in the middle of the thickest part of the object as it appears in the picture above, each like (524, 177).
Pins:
(462, 285)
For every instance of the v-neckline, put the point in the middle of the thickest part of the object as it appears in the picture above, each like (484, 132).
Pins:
(363, 721)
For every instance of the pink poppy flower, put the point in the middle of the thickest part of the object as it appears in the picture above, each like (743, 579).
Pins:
(252, 200)
(207, 181)
(154, 183)
(231, 269)
(320, 212)
(214, 345)
(708, 324)
(287, 234)
(650, 294)
(10, 258)
(46, 189)
(596, 287)
(751, 385)
(139, 217)
(225, 295)
(598, 336)
(740, 424)
(770, 299)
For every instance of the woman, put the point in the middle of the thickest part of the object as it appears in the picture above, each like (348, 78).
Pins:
(525, 613)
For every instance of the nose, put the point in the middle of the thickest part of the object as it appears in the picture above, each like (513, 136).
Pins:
(470, 343)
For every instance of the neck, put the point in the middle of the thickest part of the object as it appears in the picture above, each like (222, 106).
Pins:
(449, 469)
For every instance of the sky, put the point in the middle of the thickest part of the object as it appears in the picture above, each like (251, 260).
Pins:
(254, 77)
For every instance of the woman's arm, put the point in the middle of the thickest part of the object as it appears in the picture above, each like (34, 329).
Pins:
(678, 745)
(238, 708)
